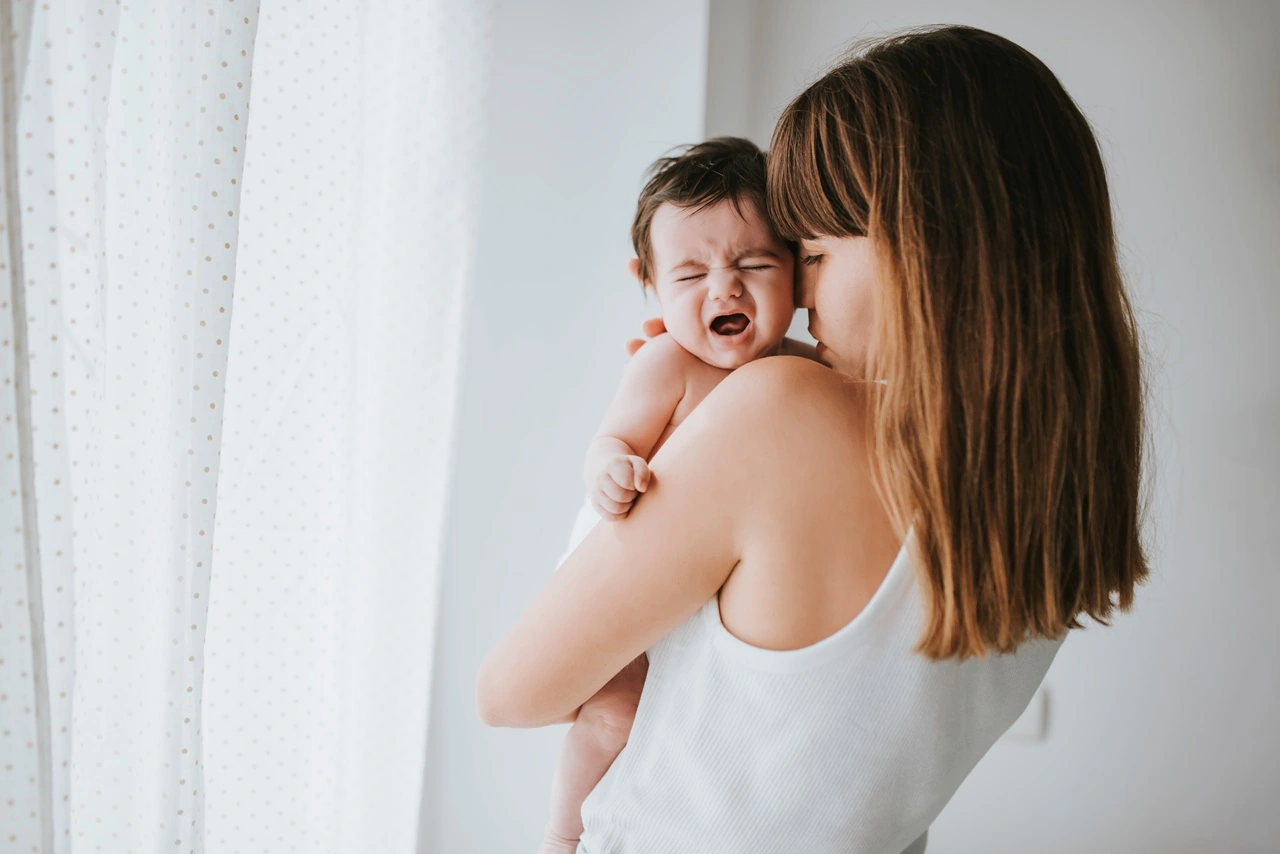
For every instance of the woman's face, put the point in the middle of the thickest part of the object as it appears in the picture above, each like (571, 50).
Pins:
(838, 282)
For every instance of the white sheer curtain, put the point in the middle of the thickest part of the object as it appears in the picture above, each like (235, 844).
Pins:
(235, 243)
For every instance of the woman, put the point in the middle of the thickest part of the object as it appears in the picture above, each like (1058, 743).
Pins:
(851, 580)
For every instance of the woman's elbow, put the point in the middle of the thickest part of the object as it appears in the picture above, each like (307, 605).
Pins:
(506, 700)
(492, 706)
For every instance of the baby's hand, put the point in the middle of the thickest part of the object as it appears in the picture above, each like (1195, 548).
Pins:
(617, 485)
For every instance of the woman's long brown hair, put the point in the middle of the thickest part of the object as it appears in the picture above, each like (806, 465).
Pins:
(1009, 435)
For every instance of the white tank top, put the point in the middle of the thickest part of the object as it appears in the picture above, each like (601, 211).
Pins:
(853, 744)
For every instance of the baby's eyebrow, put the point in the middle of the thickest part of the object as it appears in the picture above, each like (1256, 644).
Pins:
(688, 262)
(758, 252)
(751, 252)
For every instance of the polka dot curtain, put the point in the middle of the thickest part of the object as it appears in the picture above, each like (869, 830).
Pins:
(233, 252)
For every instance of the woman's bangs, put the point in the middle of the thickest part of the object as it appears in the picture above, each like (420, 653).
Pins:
(806, 151)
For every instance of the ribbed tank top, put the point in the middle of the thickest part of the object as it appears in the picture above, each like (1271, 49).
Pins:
(852, 744)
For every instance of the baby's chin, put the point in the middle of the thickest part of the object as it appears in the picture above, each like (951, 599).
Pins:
(732, 359)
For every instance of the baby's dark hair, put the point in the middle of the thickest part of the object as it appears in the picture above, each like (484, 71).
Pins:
(701, 175)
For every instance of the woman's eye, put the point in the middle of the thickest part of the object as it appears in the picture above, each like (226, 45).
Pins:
(810, 260)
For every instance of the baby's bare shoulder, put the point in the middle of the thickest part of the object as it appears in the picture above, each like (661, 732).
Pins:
(662, 357)
(665, 346)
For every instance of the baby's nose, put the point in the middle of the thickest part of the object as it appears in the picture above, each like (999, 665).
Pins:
(726, 283)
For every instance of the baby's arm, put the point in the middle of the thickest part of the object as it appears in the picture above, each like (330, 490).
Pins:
(652, 386)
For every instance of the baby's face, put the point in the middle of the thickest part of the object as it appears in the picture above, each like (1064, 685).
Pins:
(724, 280)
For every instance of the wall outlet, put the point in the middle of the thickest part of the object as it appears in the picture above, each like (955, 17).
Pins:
(1033, 725)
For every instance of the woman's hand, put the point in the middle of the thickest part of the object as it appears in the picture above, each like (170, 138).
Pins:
(651, 328)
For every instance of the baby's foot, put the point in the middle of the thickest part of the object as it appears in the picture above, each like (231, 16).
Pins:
(554, 843)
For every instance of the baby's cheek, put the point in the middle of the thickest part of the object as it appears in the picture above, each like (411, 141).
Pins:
(684, 322)
(787, 291)
(684, 314)
(781, 306)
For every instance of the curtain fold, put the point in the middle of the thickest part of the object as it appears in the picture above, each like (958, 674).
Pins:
(15, 39)
(237, 238)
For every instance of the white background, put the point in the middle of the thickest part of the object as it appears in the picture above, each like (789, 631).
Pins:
(1161, 727)
(583, 96)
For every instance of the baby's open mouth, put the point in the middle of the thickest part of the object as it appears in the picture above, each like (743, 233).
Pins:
(730, 324)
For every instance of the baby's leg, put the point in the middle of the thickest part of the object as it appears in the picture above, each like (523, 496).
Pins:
(592, 743)
(589, 749)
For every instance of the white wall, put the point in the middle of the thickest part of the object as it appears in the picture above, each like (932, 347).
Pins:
(1163, 735)
(583, 96)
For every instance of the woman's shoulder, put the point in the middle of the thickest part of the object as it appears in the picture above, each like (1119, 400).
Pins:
(779, 393)
(798, 422)
(795, 373)
(821, 541)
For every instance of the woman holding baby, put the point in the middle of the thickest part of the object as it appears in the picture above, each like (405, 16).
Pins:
(850, 575)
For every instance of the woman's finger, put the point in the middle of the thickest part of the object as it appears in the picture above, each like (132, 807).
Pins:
(653, 327)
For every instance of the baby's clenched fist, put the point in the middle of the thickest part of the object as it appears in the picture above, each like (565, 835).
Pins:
(617, 485)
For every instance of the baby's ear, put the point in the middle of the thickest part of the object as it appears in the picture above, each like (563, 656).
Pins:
(633, 266)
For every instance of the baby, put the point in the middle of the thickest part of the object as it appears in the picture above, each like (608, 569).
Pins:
(724, 282)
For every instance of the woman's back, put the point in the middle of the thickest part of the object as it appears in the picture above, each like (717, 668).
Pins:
(813, 725)
(852, 744)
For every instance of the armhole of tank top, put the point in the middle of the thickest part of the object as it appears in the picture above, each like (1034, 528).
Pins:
(896, 586)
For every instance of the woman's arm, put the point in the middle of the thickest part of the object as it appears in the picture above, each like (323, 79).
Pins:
(630, 583)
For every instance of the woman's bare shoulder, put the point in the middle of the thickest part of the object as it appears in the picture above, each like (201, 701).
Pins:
(801, 425)
(820, 541)
(780, 392)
